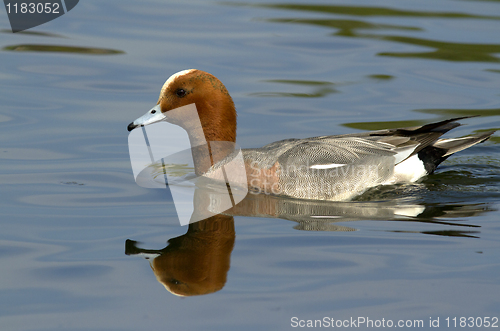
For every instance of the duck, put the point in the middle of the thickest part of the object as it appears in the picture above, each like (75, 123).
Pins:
(333, 167)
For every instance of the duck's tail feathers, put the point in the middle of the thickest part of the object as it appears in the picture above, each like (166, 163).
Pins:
(454, 145)
(419, 136)
(433, 155)
(442, 126)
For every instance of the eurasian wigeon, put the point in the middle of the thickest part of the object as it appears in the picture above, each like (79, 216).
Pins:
(325, 168)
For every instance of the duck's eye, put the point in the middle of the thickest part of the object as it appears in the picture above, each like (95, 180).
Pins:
(153, 111)
(174, 281)
(180, 92)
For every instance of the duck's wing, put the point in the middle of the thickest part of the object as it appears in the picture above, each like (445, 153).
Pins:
(333, 152)
(326, 168)
(320, 151)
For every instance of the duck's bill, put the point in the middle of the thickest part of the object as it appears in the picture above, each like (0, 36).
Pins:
(152, 116)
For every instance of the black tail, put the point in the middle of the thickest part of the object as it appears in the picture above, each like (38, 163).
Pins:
(440, 150)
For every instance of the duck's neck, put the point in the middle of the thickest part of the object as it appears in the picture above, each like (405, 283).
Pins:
(218, 130)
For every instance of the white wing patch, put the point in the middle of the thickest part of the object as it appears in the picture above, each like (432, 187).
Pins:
(326, 166)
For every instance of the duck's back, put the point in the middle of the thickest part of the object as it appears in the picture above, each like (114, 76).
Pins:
(324, 168)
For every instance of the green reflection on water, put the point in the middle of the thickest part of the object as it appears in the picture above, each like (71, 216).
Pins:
(462, 112)
(384, 125)
(61, 49)
(372, 11)
(381, 77)
(321, 89)
(440, 50)
(346, 28)
(445, 50)
(445, 113)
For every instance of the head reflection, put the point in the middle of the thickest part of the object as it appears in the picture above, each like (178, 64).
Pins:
(197, 262)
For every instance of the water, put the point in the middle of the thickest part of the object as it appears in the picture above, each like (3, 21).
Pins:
(69, 202)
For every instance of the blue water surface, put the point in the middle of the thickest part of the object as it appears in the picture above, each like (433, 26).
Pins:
(70, 87)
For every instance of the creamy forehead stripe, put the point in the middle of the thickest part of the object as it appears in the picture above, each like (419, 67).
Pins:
(175, 76)
(179, 74)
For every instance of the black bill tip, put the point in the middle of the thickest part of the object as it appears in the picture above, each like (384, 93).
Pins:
(131, 126)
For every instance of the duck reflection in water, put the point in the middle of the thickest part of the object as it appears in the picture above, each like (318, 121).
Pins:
(197, 262)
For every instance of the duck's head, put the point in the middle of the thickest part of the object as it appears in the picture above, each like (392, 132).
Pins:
(215, 106)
